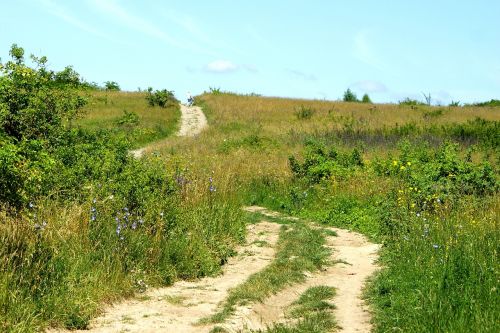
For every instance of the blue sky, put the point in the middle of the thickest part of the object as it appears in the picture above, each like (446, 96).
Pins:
(308, 49)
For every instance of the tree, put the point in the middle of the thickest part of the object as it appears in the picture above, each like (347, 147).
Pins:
(349, 96)
(366, 99)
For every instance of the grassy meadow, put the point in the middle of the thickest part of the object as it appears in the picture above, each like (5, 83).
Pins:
(128, 114)
(100, 225)
(421, 180)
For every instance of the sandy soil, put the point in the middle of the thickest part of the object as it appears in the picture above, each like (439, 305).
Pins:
(193, 121)
(356, 258)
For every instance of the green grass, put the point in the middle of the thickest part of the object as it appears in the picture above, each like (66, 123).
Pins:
(300, 248)
(107, 110)
(313, 313)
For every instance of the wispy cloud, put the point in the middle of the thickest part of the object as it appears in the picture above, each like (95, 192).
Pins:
(364, 51)
(302, 75)
(221, 66)
(117, 12)
(56, 10)
(369, 86)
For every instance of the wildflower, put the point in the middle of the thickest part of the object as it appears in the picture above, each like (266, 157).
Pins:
(418, 214)
(395, 163)
(94, 200)
(161, 214)
(31, 205)
(408, 163)
(118, 229)
(134, 225)
(435, 246)
(402, 168)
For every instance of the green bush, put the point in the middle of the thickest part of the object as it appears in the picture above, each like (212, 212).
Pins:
(111, 86)
(320, 163)
(305, 112)
(163, 98)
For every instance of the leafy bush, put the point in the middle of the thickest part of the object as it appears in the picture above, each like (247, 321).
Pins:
(305, 112)
(350, 96)
(128, 118)
(163, 98)
(111, 86)
(320, 163)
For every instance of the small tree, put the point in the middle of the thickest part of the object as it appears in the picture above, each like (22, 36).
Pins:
(111, 86)
(349, 96)
(366, 99)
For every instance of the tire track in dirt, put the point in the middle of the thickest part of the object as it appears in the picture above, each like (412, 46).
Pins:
(355, 260)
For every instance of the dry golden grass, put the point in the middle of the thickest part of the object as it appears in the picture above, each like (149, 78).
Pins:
(249, 136)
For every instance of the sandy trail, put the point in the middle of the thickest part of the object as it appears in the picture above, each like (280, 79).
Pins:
(179, 307)
(357, 258)
(193, 121)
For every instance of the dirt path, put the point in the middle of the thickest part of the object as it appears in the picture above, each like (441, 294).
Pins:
(193, 121)
(357, 258)
(179, 307)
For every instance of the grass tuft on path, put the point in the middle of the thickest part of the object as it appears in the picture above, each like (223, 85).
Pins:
(300, 248)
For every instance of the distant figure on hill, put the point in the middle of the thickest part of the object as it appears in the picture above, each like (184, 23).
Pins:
(190, 99)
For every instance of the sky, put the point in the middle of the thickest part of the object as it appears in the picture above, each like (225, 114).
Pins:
(314, 49)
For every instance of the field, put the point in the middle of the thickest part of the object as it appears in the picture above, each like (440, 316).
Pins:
(83, 223)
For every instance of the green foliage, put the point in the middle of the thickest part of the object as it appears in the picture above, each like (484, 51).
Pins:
(491, 103)
(350, 96)
(214, 91)
(320, 163)
(35, 107)
(111, 86)
(305, 112)
(162, 98)
(128, 119)
(454, 104)
(366, 99)
(34, 104)
(410, 102)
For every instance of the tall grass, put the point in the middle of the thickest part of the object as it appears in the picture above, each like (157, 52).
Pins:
(108, 110)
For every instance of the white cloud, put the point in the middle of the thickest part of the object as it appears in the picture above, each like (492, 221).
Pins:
(119, 13)
(221, 66)
(63, 14)
(369, 86)
(364, 51)
(302, 75)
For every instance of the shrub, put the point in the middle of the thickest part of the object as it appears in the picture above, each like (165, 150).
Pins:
(366, 99)
(128, 119)
(410, 102)
(493, 102)
(163, 98)
(305, 112)
(350, 96)
(320, 163)
(111, 86)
